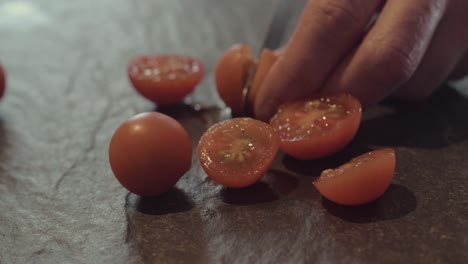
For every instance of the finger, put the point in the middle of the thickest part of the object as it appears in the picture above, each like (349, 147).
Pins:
(390, 52)
(326, 31)
(447, 47)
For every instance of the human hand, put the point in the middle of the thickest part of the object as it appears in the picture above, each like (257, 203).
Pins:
(412, 48)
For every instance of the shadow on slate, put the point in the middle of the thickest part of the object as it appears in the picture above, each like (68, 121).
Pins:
(315, 167)
(434, 123)
(174, 201)
(259, 192)
(396, 202)
(282, 183)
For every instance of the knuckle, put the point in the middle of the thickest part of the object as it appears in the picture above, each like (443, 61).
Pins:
(395, 63)
(339, 13)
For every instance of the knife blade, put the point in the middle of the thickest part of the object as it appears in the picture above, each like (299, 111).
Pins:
(284, 16)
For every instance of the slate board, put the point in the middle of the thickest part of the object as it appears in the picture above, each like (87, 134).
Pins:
(67, 93)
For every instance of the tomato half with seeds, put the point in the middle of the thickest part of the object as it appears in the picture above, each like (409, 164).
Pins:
(2, 81)
(318, 126)
(165, 79)
(149, 153)
(361, 180)
(238, 152)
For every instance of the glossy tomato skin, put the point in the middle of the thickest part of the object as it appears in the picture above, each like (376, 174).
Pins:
(231, 73)
(361, 180)
(2, 81)
(149, 153)
(238, 152)
(165, 79)
(310, 133)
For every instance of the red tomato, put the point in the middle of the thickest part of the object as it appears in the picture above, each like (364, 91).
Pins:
(231, 74)
(2, 81)
(238, 152)
(149, 153)
(266, 61)
(361, 180)
(165, 79)
(318, 126)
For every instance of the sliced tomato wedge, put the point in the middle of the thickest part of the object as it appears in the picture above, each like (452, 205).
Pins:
(165, 79)
(238, 152)
(361, 180)
(318, 126)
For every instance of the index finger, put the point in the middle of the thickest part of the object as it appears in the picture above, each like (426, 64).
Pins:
(327, 30)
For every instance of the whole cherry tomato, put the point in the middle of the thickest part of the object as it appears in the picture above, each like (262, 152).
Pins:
(149, 153)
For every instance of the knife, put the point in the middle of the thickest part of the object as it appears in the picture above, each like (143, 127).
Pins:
(283, 19)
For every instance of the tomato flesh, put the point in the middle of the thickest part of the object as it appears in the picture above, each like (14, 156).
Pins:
(165, 79)
(318, 126)
(238, 152)
(361, 180)
(149, 153)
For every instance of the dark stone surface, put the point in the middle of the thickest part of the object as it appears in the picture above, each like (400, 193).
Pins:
(68, 92)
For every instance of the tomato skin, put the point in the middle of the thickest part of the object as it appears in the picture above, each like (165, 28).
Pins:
(361, 180)
(2, 81)
(327, 142)
(165, 79)
(149, 153)
(265, 62)
(238, 152)
(231, 74)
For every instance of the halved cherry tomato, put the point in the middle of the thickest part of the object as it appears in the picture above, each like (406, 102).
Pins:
(318, 126)
(361, 180)
(165, 79)
(231, 74)
(149, 153)
(267, 59)
(2, 81)
(238, 152)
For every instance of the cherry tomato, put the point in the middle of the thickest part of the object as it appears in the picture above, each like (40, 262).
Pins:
(361, 180)
(2, 81)
(165, 79)
(238, 152)
(232, 71)
(266, 61)
(231, 74)
(149, 153)
(318, 126)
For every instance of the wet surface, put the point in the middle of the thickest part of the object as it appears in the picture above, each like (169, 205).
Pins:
(67, 93)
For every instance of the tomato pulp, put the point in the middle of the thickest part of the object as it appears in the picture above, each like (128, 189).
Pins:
(238, 152)
(165, 79)
(318, 126)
